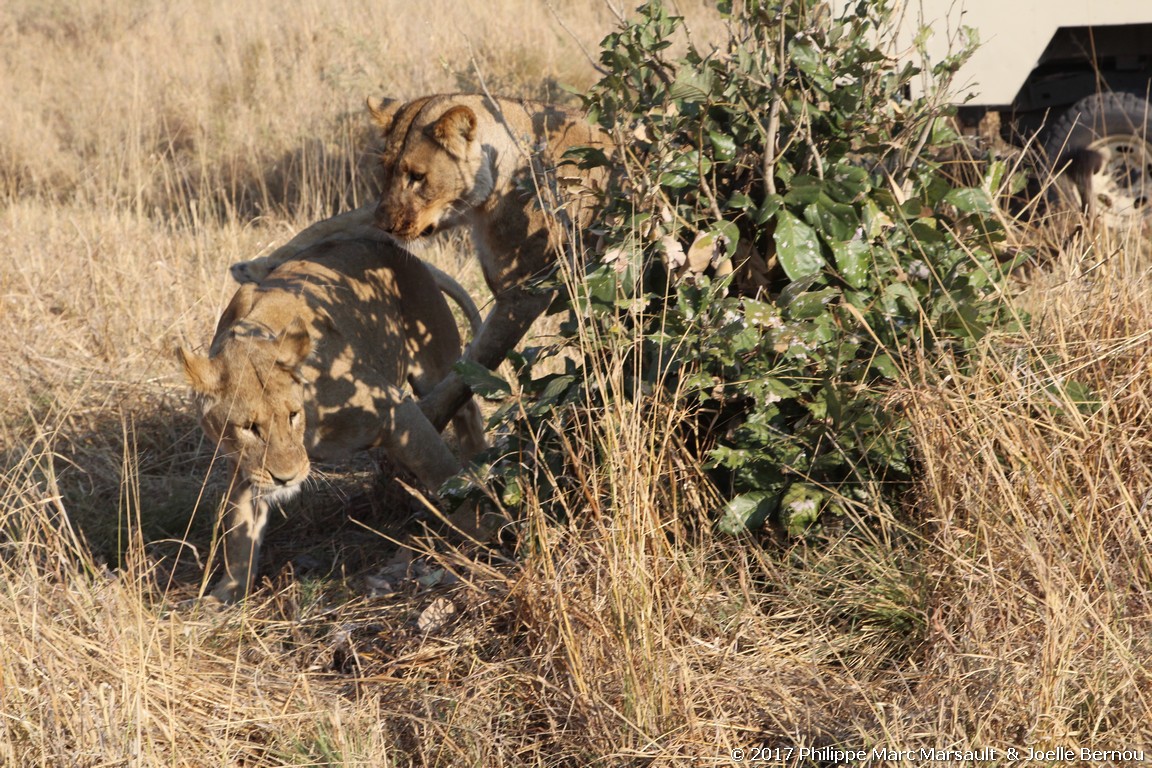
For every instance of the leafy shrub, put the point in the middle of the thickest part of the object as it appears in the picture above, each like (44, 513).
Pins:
(782, 245)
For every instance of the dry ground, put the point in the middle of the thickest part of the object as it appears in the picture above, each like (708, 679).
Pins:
(146, 145)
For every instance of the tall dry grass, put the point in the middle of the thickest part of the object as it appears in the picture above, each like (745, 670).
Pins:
(146, 146)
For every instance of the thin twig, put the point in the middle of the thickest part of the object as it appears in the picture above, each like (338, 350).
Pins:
(564, 25)
(770, 146)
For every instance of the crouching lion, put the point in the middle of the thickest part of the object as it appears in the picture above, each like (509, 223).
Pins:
(311, 363)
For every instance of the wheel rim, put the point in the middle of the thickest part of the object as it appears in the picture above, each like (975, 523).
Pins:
(1122, 187)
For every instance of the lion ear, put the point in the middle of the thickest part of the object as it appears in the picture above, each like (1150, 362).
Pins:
(200, 371)
(384, 114)
(294, 345)
(455, 129)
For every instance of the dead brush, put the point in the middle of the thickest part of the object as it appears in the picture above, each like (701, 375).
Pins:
(1036, 484)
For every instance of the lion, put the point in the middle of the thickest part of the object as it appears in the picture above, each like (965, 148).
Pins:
(310, 364)
(495, 165)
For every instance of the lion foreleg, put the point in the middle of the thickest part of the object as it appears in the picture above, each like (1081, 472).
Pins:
(468, 423)
(246, 517)
(511, 316)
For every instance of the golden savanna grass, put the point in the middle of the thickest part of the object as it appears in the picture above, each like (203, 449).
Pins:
(145, 146)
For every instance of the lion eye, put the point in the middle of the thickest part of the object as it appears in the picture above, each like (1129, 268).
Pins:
(252, 427)
(415, 177)
(294, 418)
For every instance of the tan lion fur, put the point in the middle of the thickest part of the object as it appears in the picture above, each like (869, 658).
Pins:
(495, 165)
(311, 363)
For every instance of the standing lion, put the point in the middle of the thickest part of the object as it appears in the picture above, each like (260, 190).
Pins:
(494, 165)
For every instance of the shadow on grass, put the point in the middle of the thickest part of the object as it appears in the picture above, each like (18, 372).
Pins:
(139, 487)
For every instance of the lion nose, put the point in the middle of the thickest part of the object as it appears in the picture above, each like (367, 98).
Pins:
(381, 220)
(282, 481)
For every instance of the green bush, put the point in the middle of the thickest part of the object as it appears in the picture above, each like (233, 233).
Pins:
(781, 246)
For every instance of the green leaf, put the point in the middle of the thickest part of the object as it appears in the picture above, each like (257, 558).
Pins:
(772, 204)
(812, 303)
(776, 388)
(853, 261)
(970, 200)
(512, 494)
(801, 507)
(738, 202)
(761, 314)
(897, 294)
(797, 246)
(691, 86)
(729, 235)
(805, 56)
(558, 386)
(796, 289)
(723, 146)
(685, 170)
(804, 190)
(845, 183)
(885, 366)
(601, 284)
(748, 512)
(481, 380)
(1080, 395)
(876, 220)
(837, 221)
(994, 175)
(588, 157)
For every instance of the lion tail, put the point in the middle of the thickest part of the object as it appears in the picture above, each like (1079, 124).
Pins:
(456, 292)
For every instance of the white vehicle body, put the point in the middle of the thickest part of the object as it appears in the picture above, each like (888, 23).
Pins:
(1025, 43)
(1074, 74)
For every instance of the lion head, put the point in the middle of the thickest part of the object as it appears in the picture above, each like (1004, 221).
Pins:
(251, 396)
(434, 168)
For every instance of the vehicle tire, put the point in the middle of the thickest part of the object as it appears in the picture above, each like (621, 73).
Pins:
(1102, 150)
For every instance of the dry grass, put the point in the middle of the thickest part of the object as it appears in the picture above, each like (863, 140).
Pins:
(1037, 483)
(146, 146)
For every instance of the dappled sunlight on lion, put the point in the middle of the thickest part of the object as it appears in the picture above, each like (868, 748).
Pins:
(495, 166)
(312, 362)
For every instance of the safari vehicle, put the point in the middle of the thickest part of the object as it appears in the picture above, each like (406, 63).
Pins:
(1072, 74)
